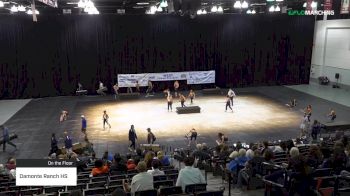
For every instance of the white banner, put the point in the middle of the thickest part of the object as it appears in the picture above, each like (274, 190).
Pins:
(192, 77)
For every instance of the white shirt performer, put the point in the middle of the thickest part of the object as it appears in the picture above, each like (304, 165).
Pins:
(231, 94)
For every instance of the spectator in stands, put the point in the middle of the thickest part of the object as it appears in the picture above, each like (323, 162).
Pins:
(11, 164)
(164, 160)
(155, 168)
(297, 162)
(140, 182)
(149, 158)
(68, 144)
(107, 157)
(221, 139)
(268, 156)
(118, 165)
(130, 164)
(265, 146)
(189, 175)
(99, 168)
(2, 170)
(314, 158)
(224, 153)
(12, 174)
(339, 159)
(93, 158)
(200, 154)
(249, 154)
(289, 144)
(76, 193)
(54, 146)
(327, 162)
(345, 140)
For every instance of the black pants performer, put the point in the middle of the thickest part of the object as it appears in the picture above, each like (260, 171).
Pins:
(132, 145)
(183, 104)
(231, 98)
(191, 100)
(170, 106)
(228, 105)
(9, 142)
(105, 121)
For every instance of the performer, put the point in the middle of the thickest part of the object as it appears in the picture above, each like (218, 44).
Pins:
(193, 136)
(308, 112)
(231, 94)
(80, 86)
(6, 138)
(129, 89)
(182, 99)
(228, 103)
(116, 89)
(332, 115)
(63, 116)
(150, 88)
(132, 138)
(68, 144)
(292, 103)
(83, 124)
(101, 89)
(170, 102)
(105, 118)
(166, 92)
(151, 138)
(191, 95)
(304, 126)
(137, 86)
(54, 146)
(176, 87)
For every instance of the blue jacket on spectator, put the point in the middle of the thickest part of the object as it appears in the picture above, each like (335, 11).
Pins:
(239, 161)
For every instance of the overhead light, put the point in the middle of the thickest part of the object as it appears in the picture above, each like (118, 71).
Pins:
(81, 4)
(237, 5)
(14, 9)
(277, 9)
(164, 3)
(305, 4)
(253, 12)
(89, 4)
(199, 12)
(204, 11)
(245, 5)
(272, 9)
(153, 9)
(142, 3)
(159, 9)
(279, 0)
(21, 8)
(270, 0)
(214, 9)
(1, 4)
(220, 10)
(249, 11)
(313, 4)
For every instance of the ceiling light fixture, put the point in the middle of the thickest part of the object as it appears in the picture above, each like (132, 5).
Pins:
(14, 9)
(142, 3)
(272, 9)
(81, 4)
(249, 11)
(253, 12)
(220, 10)
(164, 3)
(245, 5)
(237, 5)
(313, 4)
(199, 12)
(204, 11)
(1, 4)
(277, 9)
(279, 0)
(159, 9)
(305, 4)
(21, 8)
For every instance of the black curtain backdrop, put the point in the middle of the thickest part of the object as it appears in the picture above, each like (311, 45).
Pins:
(49, 57)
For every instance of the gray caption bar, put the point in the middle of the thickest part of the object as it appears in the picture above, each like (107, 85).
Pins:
(45, 163)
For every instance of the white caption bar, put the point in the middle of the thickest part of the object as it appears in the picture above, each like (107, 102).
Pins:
(46, 176)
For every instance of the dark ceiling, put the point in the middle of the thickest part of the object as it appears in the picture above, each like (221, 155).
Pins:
(131, 6)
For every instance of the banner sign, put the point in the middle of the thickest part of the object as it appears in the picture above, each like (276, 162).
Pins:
(192, 77)
(345, 7)
(328, 4)
(52, 3)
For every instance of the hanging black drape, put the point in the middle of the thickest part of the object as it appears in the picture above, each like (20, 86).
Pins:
(49, 57)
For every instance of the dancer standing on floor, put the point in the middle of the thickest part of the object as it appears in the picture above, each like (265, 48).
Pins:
(170, 102)
(132, 138)
(150, 88)
(151, 138)
(176, 87)
(331, 116)
(6, 138)
(116, 89)
(192, 95)
(228, 103)
(182, 99)
(193, 136)
(83, 124)
(105, 118)
(308, 112)
(231, 94)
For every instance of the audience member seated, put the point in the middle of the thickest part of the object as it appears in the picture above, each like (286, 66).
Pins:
(99, 168)
(140, 182)
(265, 146)
(118, 165)
(130, 164)
(11, 164)
(155, 168)
(239, 161)
(164, 160)
(339, 158)
(93, 158)
(281, 148)
(314, 158)
(107, 157)
(149, 158)
(189, 174)
(200, 154)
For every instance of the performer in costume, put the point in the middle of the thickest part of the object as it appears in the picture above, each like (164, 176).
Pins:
(63, 116)
(191, 95)
(150, 88)
(132, 138)
(231, 94)
(176, 87)
(170, 102)
(193, 136)
(228, 103)
(116, 89)
(182, 100)
(332, 115)
(308, 112)
(137, 86)
(105, 118)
